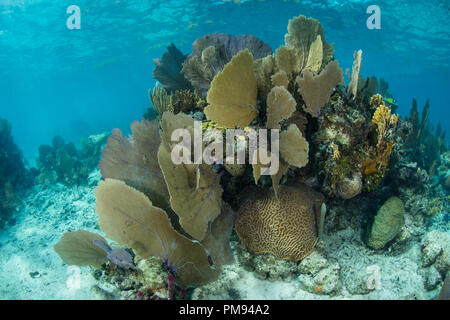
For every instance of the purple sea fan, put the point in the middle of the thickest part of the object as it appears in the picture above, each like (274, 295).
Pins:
(212, 52)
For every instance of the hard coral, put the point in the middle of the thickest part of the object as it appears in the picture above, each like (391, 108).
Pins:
(388, 222)
(286, 228)
(349, 187)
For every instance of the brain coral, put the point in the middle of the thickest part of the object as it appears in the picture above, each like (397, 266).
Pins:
(286, 228)
(388, 222)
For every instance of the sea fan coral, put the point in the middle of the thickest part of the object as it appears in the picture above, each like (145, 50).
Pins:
(135, 161)
(233, 93)
(78, 248)
(168, 70)
(280, 106)
(316, 90)
(212, 52)
(293, 147)
(129, 217)
(302, 34)
(195, 191)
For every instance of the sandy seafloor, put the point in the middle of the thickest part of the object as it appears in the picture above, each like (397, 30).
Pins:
(30, 269)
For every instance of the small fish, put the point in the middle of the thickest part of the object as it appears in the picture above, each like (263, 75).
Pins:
(391, 101)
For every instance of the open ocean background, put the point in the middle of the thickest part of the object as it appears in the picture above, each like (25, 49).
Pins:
(73, 83)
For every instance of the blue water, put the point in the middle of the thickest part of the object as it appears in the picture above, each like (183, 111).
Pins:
(79, 82)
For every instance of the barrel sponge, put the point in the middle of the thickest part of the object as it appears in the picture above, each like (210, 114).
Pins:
(286, 228)
(388, 222)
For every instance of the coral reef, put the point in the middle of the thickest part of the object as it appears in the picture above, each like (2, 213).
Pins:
(63, 163)
(135, 161)
(354, 144)
(128, 217)
(127, 213)
(350, 196)
(196, 204)
(436, 251)
(13, 174)
(425, 146)
(265, 266)
(181, 100)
